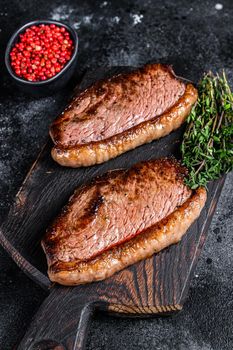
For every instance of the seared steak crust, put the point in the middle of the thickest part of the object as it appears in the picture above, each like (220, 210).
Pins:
(119, 114)
(104, 218)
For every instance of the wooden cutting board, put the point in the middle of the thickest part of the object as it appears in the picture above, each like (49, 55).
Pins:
(156, 286)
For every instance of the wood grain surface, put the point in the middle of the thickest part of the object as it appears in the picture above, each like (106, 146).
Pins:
(158, 285)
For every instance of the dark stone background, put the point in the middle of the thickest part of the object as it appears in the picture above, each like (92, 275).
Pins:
(195, 37)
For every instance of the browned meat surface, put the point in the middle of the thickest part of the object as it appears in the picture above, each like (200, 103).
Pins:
(121, 113)
(105, 217)
(113, 106)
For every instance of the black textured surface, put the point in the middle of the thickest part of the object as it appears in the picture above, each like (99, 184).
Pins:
(195, 37)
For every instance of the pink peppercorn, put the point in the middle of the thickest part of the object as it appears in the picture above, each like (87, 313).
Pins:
(42, 52)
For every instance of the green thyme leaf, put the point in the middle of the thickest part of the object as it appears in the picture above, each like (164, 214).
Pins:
(207, 148)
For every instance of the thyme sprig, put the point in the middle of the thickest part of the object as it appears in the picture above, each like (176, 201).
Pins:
(207, 149)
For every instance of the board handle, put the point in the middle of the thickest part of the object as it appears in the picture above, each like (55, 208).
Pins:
(62, 321)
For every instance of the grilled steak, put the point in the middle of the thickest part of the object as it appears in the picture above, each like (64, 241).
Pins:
(119, 114)
(119, 219)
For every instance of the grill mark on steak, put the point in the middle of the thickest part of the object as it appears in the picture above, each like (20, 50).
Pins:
(96, 204)
(115, 208)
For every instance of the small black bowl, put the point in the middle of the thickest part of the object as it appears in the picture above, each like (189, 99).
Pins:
(51, 85)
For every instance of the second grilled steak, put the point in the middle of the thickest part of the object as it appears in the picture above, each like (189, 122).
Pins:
(111, 223)
(119, 114)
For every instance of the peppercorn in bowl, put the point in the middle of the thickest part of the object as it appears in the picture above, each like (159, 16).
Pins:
(41, 56)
